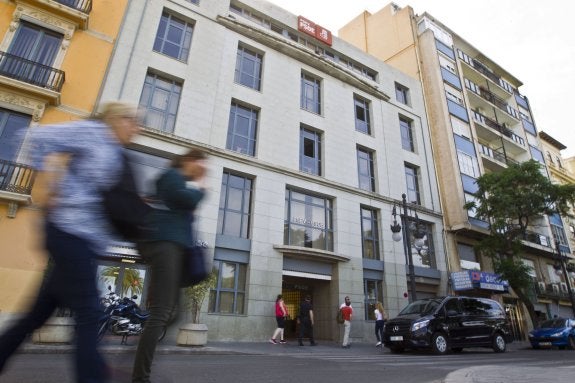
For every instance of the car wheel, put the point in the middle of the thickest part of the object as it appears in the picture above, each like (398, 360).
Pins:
(396, 349)
(572, 342)
(439, 344)
(457, 349)
(499, 343)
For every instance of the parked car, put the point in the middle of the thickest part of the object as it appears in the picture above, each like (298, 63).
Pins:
(449, 324)
(556, 332)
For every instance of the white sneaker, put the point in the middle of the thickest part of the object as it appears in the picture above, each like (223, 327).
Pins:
(378, 344)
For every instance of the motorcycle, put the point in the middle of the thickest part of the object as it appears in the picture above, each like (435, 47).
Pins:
(122, 316)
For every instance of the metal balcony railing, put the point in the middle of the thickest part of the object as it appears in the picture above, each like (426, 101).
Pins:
(84, 6)
(16, 178)
(31, 72)
(540, 239)
(488, 95)
(500, 128)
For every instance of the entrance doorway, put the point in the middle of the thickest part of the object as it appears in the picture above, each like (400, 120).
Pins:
(516, 319)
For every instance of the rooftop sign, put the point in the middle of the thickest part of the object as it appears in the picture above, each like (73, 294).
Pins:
(320, 33)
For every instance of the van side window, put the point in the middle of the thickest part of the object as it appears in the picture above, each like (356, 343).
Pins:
(452, 305)
(495, 309)
(476, 307)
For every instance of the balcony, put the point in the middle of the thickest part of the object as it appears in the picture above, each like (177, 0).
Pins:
(486, 128)
(539, 239)
(557, 290)
(16, 181)
(77, 11)
(481, 97)
(32, 77)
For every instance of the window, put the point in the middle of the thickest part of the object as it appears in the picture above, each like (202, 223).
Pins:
(31, 54)
(310, 93)
(531, 265)
(308, 221)
(558, 161)
(402, 94)
(365, 169)
(174, 37)
(559, 234)
(235, 205)
(467, 257)
(373, 293)
(242, 129)
(248, 68)
(421, 242)
(160, 98)
(412, 184)
(406, 134)
(11, 126)
(229, 295)
(362, 118)
(460, 128)
(310, 151)
(197, 2)
(468, 164)
(550, 158)
(369, 233)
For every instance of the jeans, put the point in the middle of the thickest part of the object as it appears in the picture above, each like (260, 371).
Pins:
(166, 261)
(346, 329)
(306, 327)
(70, 281)
(379, 325)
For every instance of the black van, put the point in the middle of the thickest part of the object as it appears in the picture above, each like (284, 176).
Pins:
(449, 323)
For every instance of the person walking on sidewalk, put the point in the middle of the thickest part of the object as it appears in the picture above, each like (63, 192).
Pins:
(76, 227)
(380, 318)
(306, 321)
(281, 314)
(347, 312)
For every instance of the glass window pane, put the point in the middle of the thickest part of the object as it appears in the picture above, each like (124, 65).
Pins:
(228, 275)
(226, 302)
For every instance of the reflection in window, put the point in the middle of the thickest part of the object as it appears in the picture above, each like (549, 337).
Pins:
(310, 93)
(308, 221)
(12, 124)
(412, 184)
(242, 128)
(173, 37)
(365, 169)
(248, 68)
(362, 118)
(228, 297)
(406, 134)
(235, 205)
(421, 241)
(160, 99)
(373, 293)
(310, 151)
(369, 233)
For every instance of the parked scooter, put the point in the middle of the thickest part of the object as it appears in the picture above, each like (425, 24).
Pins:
(122, 316)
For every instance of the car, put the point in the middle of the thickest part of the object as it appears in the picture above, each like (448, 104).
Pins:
(447, 324)
(556, 332)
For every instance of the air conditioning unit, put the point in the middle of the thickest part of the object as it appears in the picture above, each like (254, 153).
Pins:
(564, 287)
(555, 287)
(542, 287)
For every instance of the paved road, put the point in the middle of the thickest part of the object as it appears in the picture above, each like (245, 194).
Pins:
(260, 362)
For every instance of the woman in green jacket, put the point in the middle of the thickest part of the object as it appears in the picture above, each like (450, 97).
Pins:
(179, 191)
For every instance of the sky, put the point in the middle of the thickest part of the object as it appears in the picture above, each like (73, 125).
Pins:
(532, 40)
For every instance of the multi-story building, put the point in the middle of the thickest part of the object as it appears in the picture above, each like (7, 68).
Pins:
(53, 58)
(310, 148)
(480, 123)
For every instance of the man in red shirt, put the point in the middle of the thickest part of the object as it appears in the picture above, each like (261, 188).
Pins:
(347, 312)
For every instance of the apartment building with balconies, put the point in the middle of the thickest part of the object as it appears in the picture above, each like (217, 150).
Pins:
(480, 123)
(310, 149)
(53, 58)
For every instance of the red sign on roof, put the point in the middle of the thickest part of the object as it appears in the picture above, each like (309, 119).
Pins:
(306, 26)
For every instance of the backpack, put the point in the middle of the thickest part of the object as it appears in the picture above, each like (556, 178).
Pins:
(125, 209)
(339, 316)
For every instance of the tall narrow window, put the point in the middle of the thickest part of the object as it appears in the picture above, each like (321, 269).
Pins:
(173, 37)
(369, 233)
(308, 221)
(362, 117)
(228, 297)
(310, 93)
(365, 169)
(373, 293)
(11, 126)
(248, 68)
(310, 151)
(242, 128)
(412, 183)
(235, 205)
(31, 54)
(402, 94)
(406, 134)
(160, 98)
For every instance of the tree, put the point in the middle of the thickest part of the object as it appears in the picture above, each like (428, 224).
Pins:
(511, 201)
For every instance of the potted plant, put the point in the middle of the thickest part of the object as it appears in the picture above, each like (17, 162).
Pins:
(196, 333)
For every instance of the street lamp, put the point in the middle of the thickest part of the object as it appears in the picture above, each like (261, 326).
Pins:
(560, 259)
(418, 243)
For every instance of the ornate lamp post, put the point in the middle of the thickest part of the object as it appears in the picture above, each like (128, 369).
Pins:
(419, 234)
(560, 265)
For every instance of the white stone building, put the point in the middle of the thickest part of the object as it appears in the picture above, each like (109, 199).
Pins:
(311, 143)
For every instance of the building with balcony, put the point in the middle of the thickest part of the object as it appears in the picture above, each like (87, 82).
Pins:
(480, 123)
(310, 148)
(53, 58)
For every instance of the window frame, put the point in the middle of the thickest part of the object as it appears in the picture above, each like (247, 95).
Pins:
(414, 191)
(244, 54)
(185, 42)
(365, 155)
(406, 129)
(245, 211)
(233, 134)
(402, 94)
(312, 83)
(316, 137)
(168, 124)
(215, 298)
(369, 303)
(373, 240)
(363, 126)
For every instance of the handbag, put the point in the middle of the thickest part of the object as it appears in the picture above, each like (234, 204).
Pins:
(194, 269)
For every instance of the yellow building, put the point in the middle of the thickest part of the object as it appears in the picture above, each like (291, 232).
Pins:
(54, 56)
(480, 123)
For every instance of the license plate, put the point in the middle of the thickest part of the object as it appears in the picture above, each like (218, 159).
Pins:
(395, 338)
(543, 344)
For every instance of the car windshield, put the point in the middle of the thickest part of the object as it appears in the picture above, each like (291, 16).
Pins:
(425, 306)
(553, 323)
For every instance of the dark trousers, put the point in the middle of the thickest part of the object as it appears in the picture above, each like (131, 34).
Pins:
(165, 260)
(305, 327)
(70, 281)
(379, 325)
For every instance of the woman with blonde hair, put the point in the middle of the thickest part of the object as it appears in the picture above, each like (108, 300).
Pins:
(380, 318)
